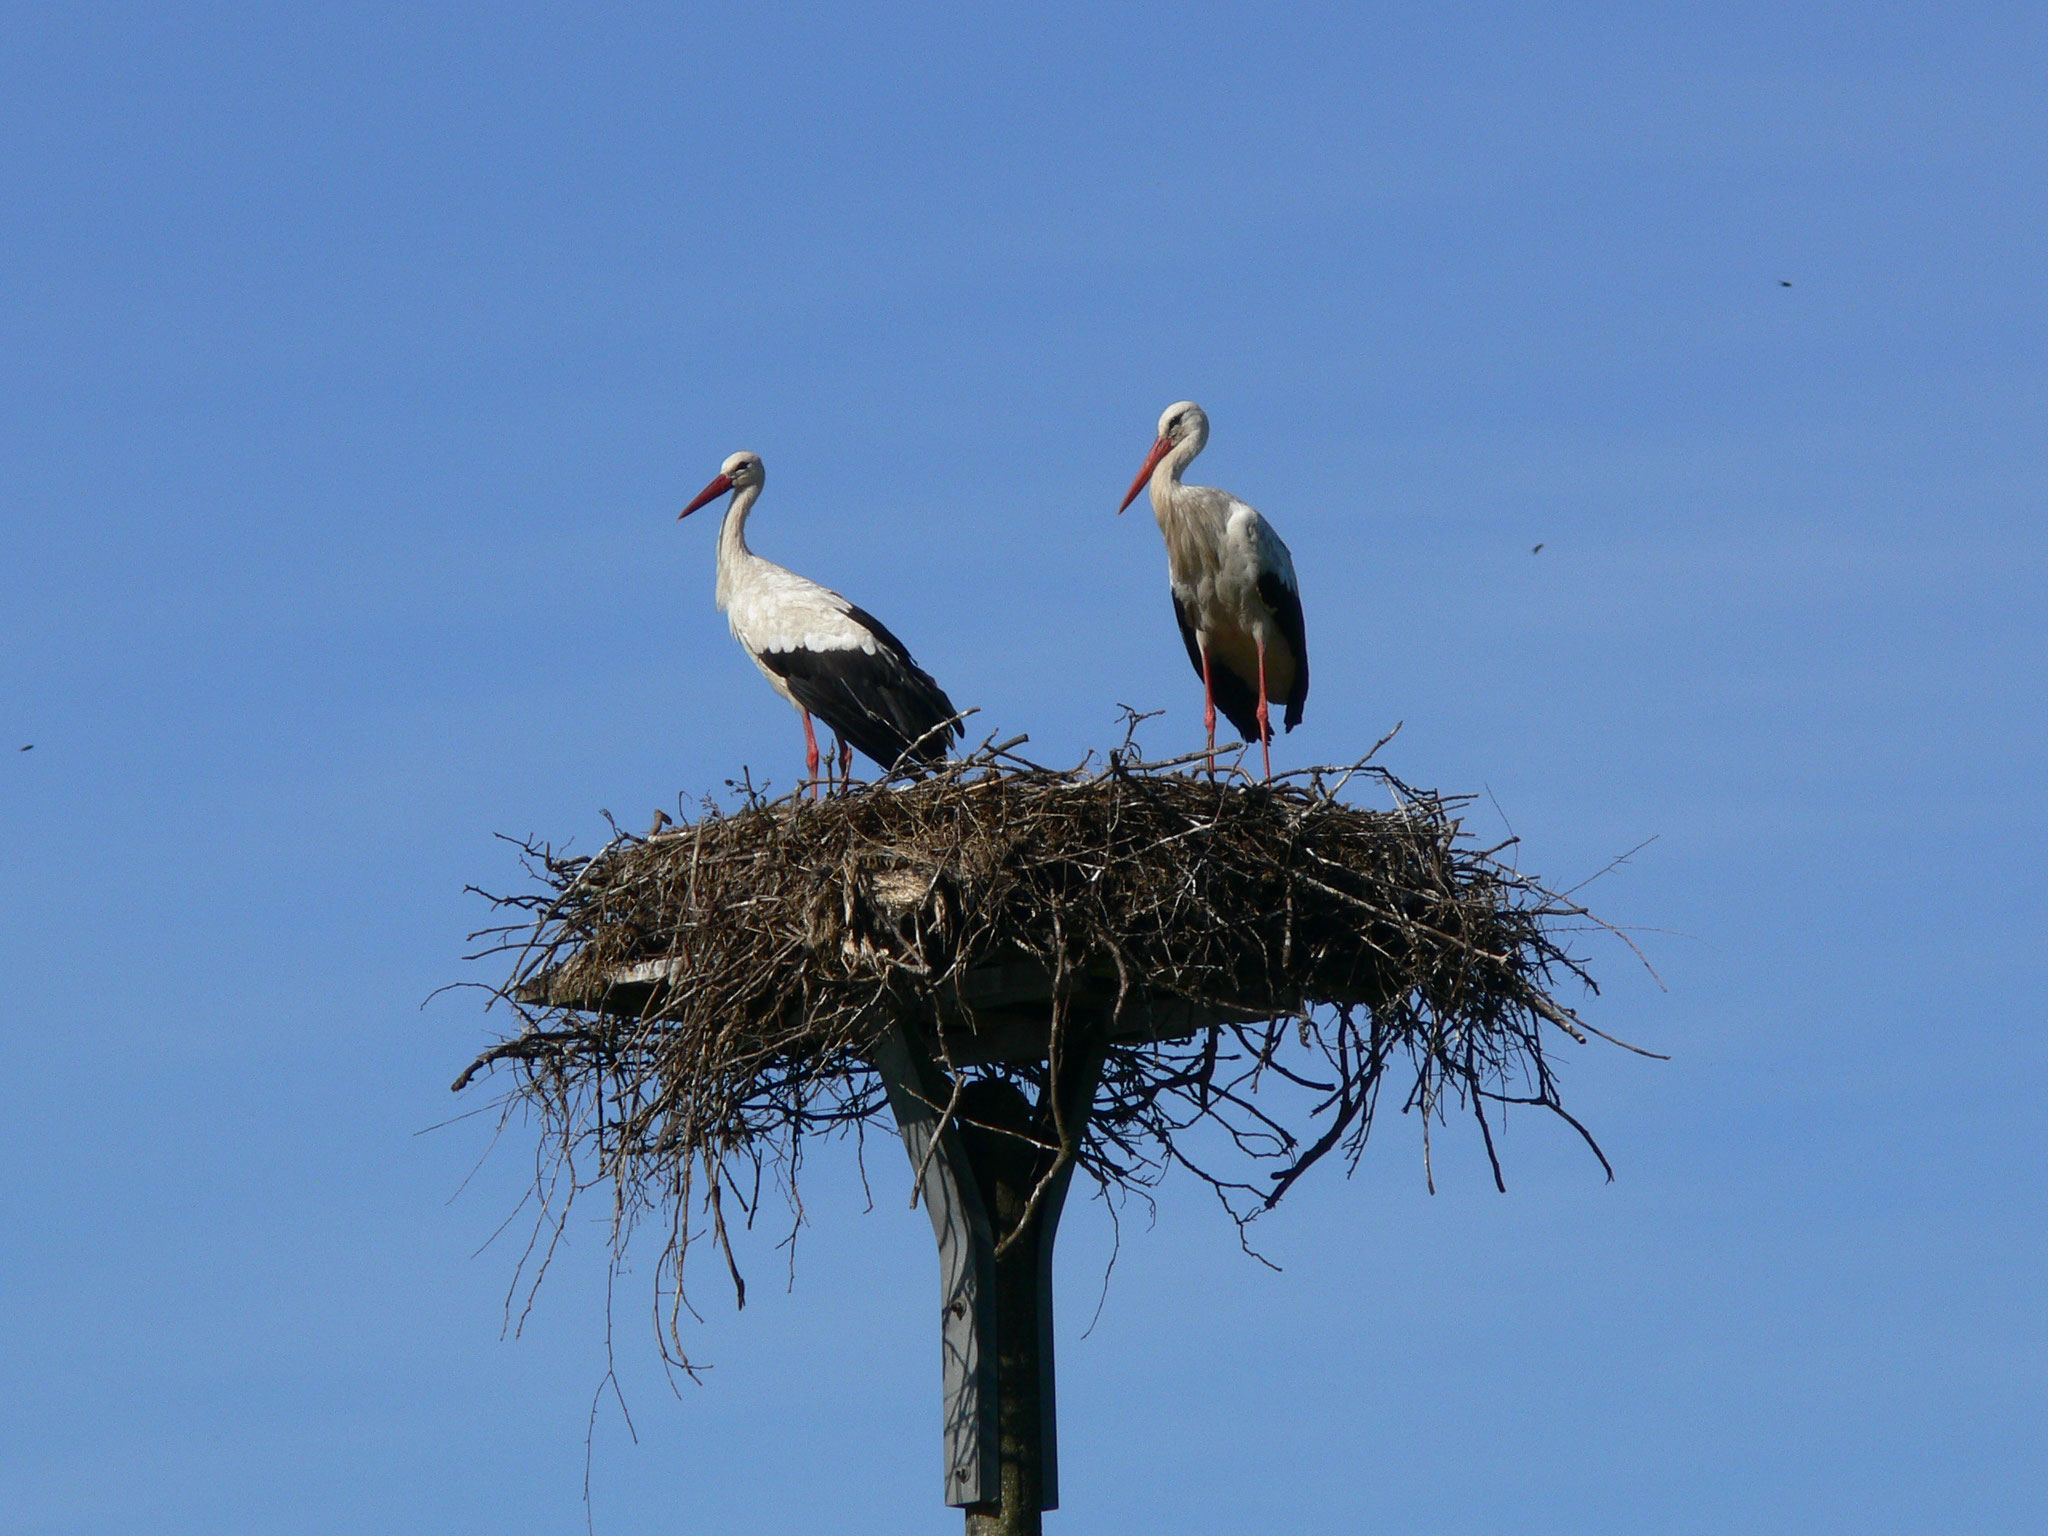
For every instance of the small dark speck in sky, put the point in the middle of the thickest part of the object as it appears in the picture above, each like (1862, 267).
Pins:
(1537, 550)
(30, 747)
(1782, 283)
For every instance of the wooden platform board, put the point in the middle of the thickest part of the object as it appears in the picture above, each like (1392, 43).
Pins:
(1001, 1016)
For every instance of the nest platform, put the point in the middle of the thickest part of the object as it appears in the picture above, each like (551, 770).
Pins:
(718, 988)
(1114, 969)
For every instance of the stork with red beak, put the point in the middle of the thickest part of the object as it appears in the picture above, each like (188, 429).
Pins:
(1234, 591)
(820, 652)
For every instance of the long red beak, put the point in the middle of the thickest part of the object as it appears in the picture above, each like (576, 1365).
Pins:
(1159, 451)
(711, 492)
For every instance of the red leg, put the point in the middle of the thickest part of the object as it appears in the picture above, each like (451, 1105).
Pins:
(845, 762)
(1208, 709)
(810, 752)
(1265, 720)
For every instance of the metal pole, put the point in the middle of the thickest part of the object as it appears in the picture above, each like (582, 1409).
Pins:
(1005, 1167)
(996, 1321)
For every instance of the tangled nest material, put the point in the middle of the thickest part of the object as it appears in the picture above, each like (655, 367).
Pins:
(698, 1004)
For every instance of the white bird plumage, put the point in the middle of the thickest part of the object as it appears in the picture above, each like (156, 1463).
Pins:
(826, 656)
(1234, 589)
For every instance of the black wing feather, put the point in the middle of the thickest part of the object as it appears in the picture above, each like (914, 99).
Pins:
(1286, 605)
(881, 700)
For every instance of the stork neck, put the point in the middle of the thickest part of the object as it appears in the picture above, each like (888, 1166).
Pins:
(1166, 474)
(733, 553)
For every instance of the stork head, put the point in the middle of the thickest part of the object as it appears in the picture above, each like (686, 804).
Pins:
(735, 474)
(1183, 419)
(1181, 422)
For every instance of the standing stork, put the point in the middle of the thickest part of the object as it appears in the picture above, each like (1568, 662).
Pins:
(820, 652)
(1234, 591)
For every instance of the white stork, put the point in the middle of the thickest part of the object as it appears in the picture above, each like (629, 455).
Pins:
(820, 652)
(1234, 591)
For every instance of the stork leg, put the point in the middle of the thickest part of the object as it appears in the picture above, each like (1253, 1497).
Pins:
(845, 762)
(1265, 719)
(1208, 709)
(810, 752)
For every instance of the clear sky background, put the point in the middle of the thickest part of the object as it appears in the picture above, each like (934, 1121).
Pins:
(354, 362)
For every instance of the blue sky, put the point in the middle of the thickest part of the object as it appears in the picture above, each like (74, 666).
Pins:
(355, 365)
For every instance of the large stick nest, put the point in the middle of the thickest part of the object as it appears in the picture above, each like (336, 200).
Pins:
(698, 1003)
